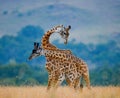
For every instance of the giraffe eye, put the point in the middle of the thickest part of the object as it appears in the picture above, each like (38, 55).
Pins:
(64, 33)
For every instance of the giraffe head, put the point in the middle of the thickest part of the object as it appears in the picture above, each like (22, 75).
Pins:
(37, 51)
(63, 31)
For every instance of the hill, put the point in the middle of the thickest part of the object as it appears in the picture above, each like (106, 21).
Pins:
(18, 48)
(15, 69)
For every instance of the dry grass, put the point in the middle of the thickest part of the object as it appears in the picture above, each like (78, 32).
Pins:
(61, 92)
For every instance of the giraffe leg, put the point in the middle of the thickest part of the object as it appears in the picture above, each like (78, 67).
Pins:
(68, 81)
(81, 85)
(71, 81)
(87, 80)
(76, 83)
(49, 82)
(61, 77)
(54, 79)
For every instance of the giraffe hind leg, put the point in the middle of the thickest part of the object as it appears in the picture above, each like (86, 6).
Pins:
(68, 81)
(76, 83)
(87, 80)
(81, 84)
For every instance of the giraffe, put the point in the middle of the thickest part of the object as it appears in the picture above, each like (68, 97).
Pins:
(56, 68)
(63, 54)
(61, 70)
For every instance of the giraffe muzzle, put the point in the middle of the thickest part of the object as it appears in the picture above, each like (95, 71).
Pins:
(30, 58)
(65, 42)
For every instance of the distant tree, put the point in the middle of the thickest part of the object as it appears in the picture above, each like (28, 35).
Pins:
(20, 46)
(31, 32)
(106, 75)
(22, 74)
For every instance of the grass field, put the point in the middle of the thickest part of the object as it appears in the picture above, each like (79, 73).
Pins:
(61, 92)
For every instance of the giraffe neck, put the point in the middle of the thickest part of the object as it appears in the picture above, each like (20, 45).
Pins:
(45, 40)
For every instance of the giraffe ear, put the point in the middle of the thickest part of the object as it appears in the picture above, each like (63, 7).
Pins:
(37, 45)
(69, 27)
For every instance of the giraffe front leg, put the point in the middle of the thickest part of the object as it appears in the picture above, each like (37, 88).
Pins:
(54, 79)
(54, 76)
(61, 77)
(49, 82)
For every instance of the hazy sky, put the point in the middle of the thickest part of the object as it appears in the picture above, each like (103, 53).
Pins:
(107, 11)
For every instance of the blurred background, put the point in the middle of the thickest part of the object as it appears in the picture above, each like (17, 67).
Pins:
(94, 37)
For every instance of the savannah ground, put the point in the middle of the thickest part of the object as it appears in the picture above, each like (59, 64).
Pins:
(61, 92)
